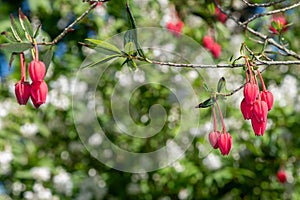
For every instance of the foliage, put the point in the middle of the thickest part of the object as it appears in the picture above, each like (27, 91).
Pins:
(43, 157)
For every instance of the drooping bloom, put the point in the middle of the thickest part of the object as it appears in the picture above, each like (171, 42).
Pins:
(247, 109)
(216, 50)
(281, 176)
(213, 138)
(37, 70)
(208, 41)
(222, 17)
(225, 143)
(258, 127)
(267, 96)
(175, 27)
(260, 110)
(39, 91)
(22, 91)
(250, 92)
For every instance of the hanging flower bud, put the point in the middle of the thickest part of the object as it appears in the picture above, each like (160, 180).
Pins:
(250, 92)
(37, 70)
(216, 50)
(225, 143)
(39, 91)
(22, 91)
(208, 42)
(279, 24)
(267, 96)
(247, 109)
(260, 110)
(258, 127)
(213, 138)
(281, 176)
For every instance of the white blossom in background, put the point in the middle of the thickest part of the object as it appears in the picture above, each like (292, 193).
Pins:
(212, 162)
(6, 157)
(183, 194)
(29, 129)
(41, 173)
(41, 193)
(63, 183)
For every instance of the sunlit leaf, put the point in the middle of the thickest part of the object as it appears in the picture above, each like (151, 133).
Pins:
(103, 60)
(15, 47)
(25, 23)
(9, 36)
(105, 45)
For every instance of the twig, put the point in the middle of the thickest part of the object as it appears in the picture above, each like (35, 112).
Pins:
(271, 13)
(260, 35)
(262, 4)
(69, 28)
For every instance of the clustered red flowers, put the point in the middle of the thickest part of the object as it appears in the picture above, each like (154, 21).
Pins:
(220, 140)
(38, 89)
(222, 17)
(279, 24)
(175, 27)
(210, 44)
(256, 104)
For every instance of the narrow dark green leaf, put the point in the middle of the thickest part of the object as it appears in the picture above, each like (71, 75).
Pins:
(9, 36)
(133, 33)
(25, 23)
(37, 31)
(47, 57)
(12, 57)
(131, 64)
(221, 84)
(125, 62)
(103, 60)
(207, 103)
(16, 29)
(105, 45)
(15, 47)
(206, 87)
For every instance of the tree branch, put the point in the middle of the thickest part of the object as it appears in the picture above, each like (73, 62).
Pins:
(262, 4)
(271, 13)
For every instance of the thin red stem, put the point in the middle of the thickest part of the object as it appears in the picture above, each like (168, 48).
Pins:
(221, 117)
(23, 67)
(261, 81)
(215, 118)
(249, 69)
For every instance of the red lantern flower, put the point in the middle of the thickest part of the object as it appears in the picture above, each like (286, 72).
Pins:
(225, 143)
(250, 92)
(247, 109)
(279, 24)
(260, 110)
(213, 138)
(39, 91)
(216, 50)
(258, 127)
(208, 42)
(267, 96)
(22, 91)
(37, 70)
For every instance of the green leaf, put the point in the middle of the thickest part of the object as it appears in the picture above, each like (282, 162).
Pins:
(37, 31)
(15, 47)
(25, 23)
(16, 29)
(211, 8)
(206, 87)
(103, 60)
(47, 58)
(131, 35)
(9, 36)
(207, 103)
(221, 84)
(106, 46)
(131, 64)
(129, 48)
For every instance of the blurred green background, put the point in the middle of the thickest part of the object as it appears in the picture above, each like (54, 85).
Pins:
(42, 156)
